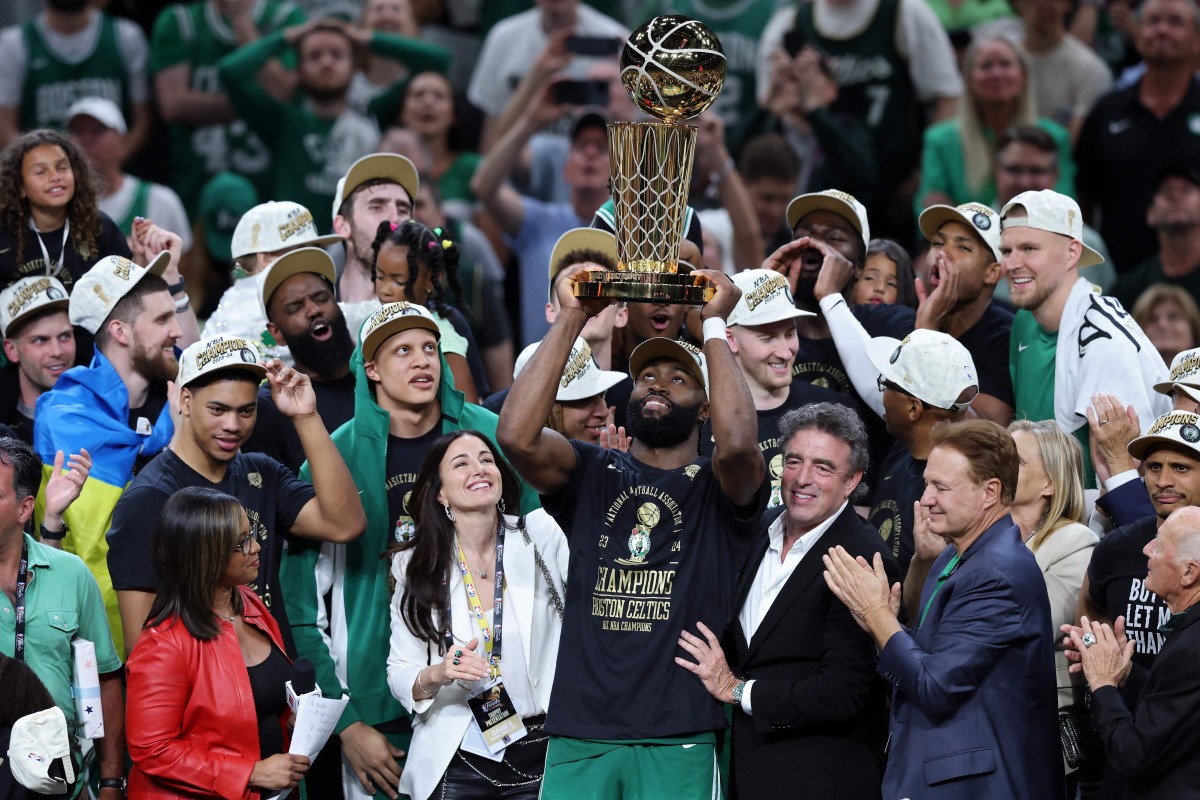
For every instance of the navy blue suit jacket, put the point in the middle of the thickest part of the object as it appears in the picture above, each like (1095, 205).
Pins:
(974, 711)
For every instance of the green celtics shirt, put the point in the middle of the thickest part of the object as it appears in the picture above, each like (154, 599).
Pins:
(311, 152)
(197, 35)
(52, 84)
(1031, 361)
(652, 552)
(738, 24)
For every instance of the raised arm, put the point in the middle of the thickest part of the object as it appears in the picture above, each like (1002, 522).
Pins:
(542, 456)
(737, 463)
(239, 73)
(336, 513)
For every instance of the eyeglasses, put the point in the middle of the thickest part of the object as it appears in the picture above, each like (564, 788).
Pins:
(244, 544)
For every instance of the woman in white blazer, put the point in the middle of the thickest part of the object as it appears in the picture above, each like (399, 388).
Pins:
(463, 547)
(1049, 509)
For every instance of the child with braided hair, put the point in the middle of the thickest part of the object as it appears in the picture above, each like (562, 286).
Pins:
(419, 264)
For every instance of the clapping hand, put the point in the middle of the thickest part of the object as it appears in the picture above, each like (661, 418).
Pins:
(1104, 655)
(863, 587)
(927, 545)
(1111, 427)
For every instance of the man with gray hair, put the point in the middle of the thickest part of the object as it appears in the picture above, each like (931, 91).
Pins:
(1156, 746)
(800, 671)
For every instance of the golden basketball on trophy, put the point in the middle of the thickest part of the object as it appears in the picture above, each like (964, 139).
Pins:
(673, 68)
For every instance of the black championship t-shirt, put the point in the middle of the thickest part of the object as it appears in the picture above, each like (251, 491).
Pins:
(142, 419)
(275, 435)
(404, 459)
(987, 342)
(818, 361)
(652, 552)
(800, 394)
(1117, 581)
(271, 494)
(900, 483)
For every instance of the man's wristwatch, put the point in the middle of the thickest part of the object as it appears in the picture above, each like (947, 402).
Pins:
(113, 783)
(738, 689)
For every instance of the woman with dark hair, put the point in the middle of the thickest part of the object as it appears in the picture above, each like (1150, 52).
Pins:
(429, 110)
(468, 566)
(206, 706)
(50, 222)
(416, 264)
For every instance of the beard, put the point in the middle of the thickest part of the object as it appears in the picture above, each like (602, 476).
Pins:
(323, 358)
(672, 428)
(154, 365)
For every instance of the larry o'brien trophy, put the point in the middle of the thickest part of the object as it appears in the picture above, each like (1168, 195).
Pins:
(673, 69)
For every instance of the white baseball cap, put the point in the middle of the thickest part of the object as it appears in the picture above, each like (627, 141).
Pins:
(582, 239)
(28, 295)
(1047, 210)
(1185, 373)
(97, 293)
(391, 319)
(661, 347)
(1180, 428)
(272, 226)
(39, 752)
(219, 352)
(766, 298)
(101, 109)
(306, 259)
(385, 166)
(932, 366)
(582, 377)
(980, 218)
(830, 200)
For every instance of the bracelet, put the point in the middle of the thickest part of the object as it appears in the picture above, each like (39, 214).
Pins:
(182, 306)
(421, 686)
(176, 288)
(713, 328)
(113, 783)
(54, 536)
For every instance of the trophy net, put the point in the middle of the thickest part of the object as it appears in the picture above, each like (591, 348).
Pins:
(651, 168)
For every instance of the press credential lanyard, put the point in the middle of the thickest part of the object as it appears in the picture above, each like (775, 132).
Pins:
(491, 638)
(946, 573)
(22, 575)
(46, 254)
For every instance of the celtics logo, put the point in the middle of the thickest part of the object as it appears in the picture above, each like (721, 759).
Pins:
(692, 470)
(405, 529)
(648, 516)
(776, 470)
(1189, 433)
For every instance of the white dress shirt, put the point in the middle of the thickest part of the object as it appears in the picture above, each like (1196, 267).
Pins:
(773, 573)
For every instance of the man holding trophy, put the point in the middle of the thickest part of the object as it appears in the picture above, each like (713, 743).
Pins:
(654, 532)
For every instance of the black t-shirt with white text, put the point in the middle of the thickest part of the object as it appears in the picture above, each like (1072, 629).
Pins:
(653, 552)
(275, 435)
(269, 492)
(987, 342)
(1117, 583)
(900, 483)
(404, 459)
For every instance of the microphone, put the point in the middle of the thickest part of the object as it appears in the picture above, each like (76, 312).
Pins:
(303, 682)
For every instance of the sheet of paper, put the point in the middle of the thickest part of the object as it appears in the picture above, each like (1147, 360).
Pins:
(315, 720)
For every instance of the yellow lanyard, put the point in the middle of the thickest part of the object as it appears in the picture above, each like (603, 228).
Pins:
(491, 643)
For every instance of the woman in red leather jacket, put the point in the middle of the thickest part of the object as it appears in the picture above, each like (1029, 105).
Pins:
(206, 706)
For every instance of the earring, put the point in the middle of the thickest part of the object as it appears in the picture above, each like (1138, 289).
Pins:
(500, 505)
(449, 513)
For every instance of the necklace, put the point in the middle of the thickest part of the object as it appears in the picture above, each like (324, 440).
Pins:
(482, 572)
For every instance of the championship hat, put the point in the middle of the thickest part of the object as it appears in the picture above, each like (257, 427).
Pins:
(1178, 428)
(660, 347)
(275, 225)
(306, 259)
(1185, 374)
(391, 319)
(833, 200)
(101, 109)
(27, 296)
(582, 377)
(39, 752)
(1047, 210)
(377, 166)
(766, 298)
(97, 293)
(932, 366)
(976, 216)
(219, 352)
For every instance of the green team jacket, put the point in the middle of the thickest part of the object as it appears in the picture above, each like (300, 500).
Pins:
(348, 641)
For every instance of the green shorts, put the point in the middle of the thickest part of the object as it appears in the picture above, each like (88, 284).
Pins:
(676, 767)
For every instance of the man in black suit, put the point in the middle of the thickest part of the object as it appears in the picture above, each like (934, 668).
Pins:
(1156, 747)
(800, 672)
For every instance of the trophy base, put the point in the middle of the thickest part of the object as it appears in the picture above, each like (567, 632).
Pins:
(645, 287)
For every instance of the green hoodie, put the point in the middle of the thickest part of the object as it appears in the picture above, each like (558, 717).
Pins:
(355, 574)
